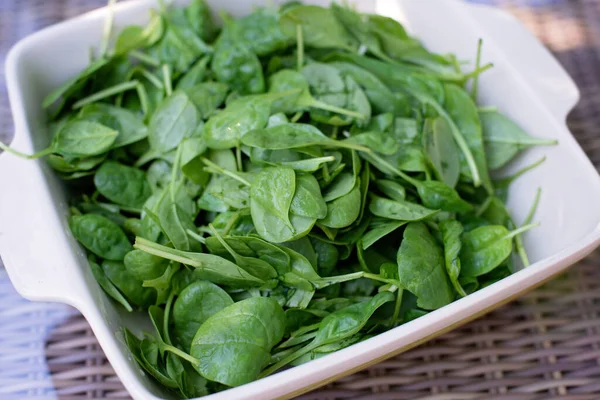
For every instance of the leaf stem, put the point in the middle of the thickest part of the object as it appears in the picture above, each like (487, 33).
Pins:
(297, 116)
(108, 92)
(152, 78)
(534, 207)
(195, 236)
(17, 153)
(157, 250)
(300, 48)
(511, 178)
(520, 230)
(143, 96)
(180, 353)
(475, 88)
(167, 79)
(223, 171)
(331, 280)
(479, 71)
(378, 278)
(484, 206)
(328, 107)
(397, 308)
(167, 317)
(238, 157)
(287, 360)
(108, 24)
(519, 238)
(145, 58)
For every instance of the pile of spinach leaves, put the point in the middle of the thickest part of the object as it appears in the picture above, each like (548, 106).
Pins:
(280, 188)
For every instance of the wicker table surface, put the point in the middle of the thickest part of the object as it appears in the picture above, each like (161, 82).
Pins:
(544, 345)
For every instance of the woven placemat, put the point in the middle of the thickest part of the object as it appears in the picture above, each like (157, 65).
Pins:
(543, 346)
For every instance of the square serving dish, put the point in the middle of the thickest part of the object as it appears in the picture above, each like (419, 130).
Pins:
(45, 263)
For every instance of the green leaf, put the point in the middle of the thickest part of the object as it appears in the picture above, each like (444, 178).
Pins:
(100, 235)
(130, 126)
(320, 28)
(421, 268)
(83, 139)
(209, 267)
(503, 139)
(442, 150)
(123, 185)
(175, 119)
(399, 209)
(196, 303)
(451, 233)
(239, 337)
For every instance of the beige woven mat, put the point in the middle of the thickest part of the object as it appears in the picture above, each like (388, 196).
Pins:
(543, 346)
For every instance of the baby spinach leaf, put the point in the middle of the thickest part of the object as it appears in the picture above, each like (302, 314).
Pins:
(108, 287)
(210, 267)
(123, 185)
(319, 26)
(378, 232)
(435, 194)
(127, 284)
(194, 305)
(273, 190)
(100, 235)
(254, 266)
(376, 141)
(144, 266)
(308, 201)
(207, 97)
(442, 150)
(451, 232)
(129, 125)
(343, 211)
(291, 136)
(195, 75)
(225, 129)
(175, 119)
(337, 326)
(240, 337)
(421, 268)
(341, 186)
(236, 65)
(80, 138)
(392, 189)
(503, 139)
(399, 209)
(463, 112)
(259, 31)
(486, 247)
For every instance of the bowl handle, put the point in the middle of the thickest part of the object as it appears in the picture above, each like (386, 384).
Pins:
(35, 242)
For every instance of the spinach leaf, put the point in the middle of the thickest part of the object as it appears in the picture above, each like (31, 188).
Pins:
(240, 337)
(503, 139)
(196, 303)
(175, 119)
(123, 185)
(210, 267)
(319, 27)
(236, 65)
(442, 150)
(399, 209)
(451, 234)
(100, 235)
(486, 247)
(421, 268)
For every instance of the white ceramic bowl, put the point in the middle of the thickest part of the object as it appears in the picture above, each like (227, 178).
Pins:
(45, 262)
